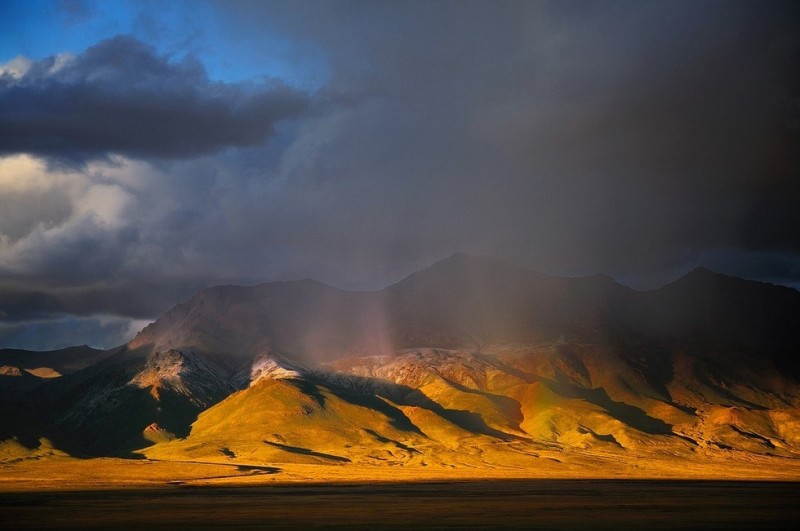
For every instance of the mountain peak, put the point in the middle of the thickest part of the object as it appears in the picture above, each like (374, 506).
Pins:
(463, 258)
(460, 261)
(276, 367)
(703, 271)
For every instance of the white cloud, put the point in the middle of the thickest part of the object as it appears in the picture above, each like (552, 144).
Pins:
(16, 68)
(98, 198)
(105, 202)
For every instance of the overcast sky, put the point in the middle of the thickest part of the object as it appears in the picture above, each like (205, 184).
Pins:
(150, 149)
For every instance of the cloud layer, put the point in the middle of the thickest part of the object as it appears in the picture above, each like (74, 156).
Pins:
(121, 97)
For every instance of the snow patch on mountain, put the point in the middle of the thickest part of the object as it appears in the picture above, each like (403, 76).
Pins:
(269, 365)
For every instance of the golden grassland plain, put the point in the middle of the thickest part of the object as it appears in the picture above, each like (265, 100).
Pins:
(66, 473)
(556, 489)
(314, 496)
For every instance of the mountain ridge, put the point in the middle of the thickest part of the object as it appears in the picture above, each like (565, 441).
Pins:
(470, 362)
(457, 302)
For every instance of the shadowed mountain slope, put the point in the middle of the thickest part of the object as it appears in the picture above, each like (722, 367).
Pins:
(467, 302)
(710, 309)
(459, 302)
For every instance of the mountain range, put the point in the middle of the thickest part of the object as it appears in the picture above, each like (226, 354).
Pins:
(473, 362)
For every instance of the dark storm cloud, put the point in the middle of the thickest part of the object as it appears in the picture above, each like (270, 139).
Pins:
(121, 97)
(138, 299)
(639, 139)
(574, 136)
(18, 305)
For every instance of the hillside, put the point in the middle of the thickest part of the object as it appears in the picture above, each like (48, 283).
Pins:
(500, 407)
(472, 362)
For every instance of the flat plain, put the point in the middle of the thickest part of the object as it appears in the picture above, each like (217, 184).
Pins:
(545, 503)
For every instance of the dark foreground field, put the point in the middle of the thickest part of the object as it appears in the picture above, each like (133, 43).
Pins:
(545, 504)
